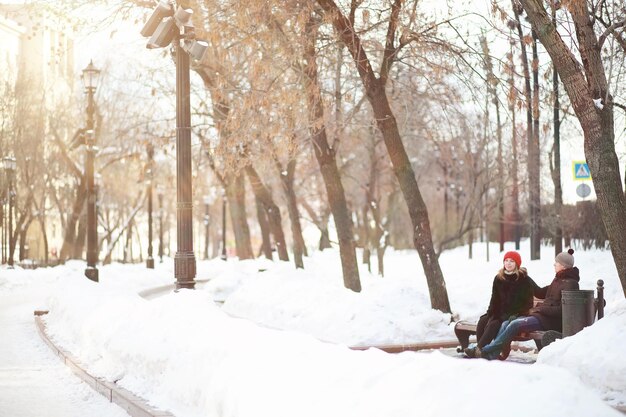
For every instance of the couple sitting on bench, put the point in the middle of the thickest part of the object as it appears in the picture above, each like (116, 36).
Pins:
(511, 310)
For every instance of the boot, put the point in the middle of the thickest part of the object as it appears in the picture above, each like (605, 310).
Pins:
(473, 352)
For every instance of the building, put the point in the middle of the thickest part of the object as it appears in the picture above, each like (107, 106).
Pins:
(11, 34)
(37, 76)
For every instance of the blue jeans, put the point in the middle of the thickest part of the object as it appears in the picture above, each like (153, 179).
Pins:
(506, 335)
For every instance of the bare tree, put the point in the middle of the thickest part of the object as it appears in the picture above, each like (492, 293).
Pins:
(588, 89)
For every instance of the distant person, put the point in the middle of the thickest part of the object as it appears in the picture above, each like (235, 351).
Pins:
(548, 315)
(511, 297)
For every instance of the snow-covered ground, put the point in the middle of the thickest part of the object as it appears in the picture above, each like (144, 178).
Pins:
(184, 353)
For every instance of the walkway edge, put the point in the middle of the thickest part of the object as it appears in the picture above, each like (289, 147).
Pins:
(132, 404)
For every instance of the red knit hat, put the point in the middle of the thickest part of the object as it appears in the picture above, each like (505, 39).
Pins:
(515, 256)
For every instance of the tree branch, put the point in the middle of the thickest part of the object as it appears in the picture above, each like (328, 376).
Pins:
(390, 49)
(611, 30)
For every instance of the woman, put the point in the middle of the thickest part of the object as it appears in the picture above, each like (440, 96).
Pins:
(511, 296)
(548, 314)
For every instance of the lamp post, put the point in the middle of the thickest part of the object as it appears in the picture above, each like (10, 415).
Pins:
(90, 79)
(150, 259)
(164, 27)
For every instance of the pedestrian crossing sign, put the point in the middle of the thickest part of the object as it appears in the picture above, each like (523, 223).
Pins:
(581, 171)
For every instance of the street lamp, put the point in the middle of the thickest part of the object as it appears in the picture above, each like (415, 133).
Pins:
(164, 27)
(150, 260)
(90, 80)
(10, 166)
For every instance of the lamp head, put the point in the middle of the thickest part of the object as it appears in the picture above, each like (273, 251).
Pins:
(164, 9)
(196, 49)
(90, 76)
(164, 34)
(183, 17)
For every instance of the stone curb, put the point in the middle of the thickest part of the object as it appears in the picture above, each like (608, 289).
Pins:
(132, 404)
(443, 344)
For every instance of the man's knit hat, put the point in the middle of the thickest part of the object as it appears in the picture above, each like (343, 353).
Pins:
(565, 258)
(515, 256)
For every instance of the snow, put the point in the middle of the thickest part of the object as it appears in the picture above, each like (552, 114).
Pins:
(276, 342)
(598, 103)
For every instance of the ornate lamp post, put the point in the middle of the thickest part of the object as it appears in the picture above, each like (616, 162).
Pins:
(90, 80)
(10, 166)
(150, 259)
(164, 27)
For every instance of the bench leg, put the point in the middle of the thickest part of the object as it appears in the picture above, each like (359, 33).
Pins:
(463, 336)
(549, 337)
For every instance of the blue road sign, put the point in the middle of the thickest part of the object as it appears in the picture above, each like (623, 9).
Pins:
(581, 171)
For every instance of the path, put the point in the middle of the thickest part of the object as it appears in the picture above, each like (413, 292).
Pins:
(33, 381)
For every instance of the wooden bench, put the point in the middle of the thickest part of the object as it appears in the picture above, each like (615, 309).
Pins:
(464, 329)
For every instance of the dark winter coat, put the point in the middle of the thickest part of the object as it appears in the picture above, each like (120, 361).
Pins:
(549, 311)
(511, 296)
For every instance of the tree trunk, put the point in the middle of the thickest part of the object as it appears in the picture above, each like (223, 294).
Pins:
(23, 233)
(81, 234)
(321, 222)
(22, 222)
(325, 156)
(128, 257)
(138, 234)
(44, 236)
(299, 248)
(67, 249)
(534, 165)
(386, 122)
(366, 238)
(273, 212)
(113, 242)
(514, 166)
(236, 193)
(556, 169)
(596, 120)
(324, 242)
(529, 127)
(3, 227)
(266, 244)
(492, 83)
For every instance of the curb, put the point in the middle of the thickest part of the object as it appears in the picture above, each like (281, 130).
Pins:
(132, 404)
(444, 344)
(413, 347)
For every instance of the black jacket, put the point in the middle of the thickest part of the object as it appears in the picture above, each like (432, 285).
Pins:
(511, 296)
(549, 312)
